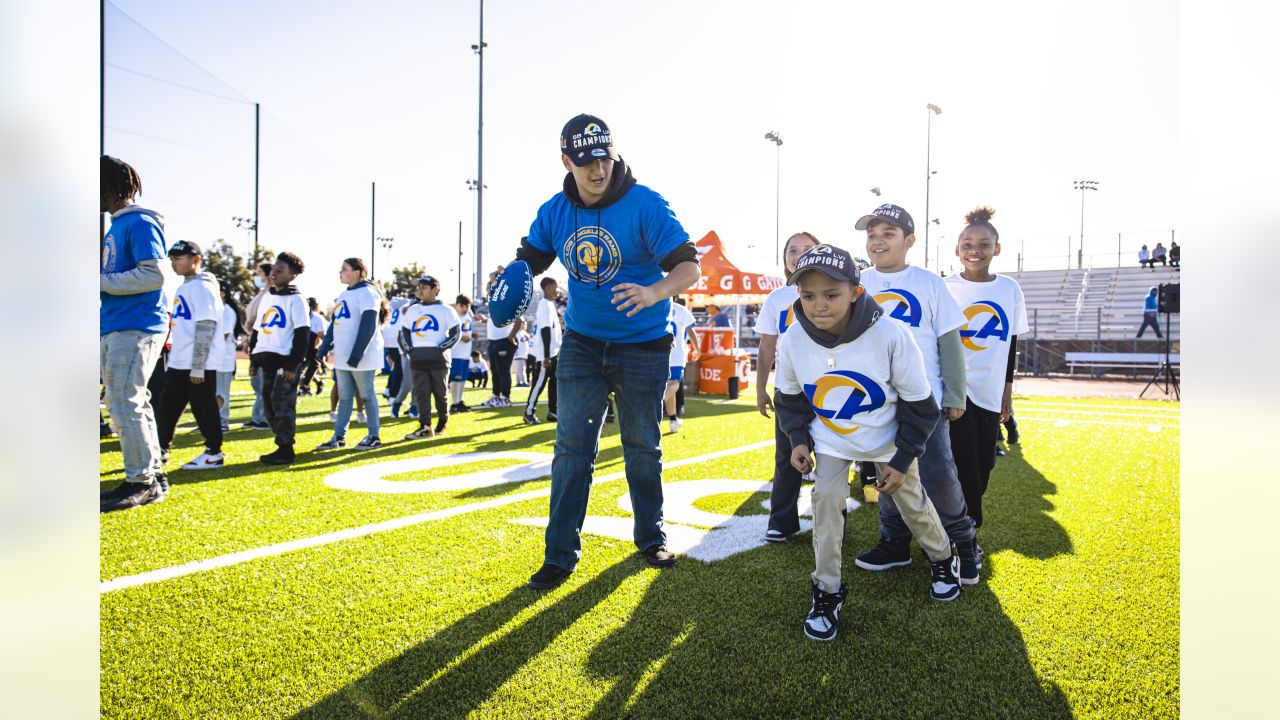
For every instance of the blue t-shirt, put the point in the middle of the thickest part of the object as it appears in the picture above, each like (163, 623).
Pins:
(621, 243)
(134, 236)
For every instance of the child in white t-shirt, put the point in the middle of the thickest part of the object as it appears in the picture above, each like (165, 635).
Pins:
(460, 362)
(357, 352)
(478, 370)
(996, 315)
(522, 352)
(851, 386)
(919, 300)
(680, 325)
(428, 329)
(278, 349)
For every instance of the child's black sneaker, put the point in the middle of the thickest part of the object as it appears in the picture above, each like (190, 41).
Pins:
(531, 419)
(775, 536)
(944, 578)
(332, 444)
(548, 576)
(887, 553)
(422, 433)
(369, 442)
(132, 495)
(282, 456)
(659, 556)
(969, 564)
(824, 614)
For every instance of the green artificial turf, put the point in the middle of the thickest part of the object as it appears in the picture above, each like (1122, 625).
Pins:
(1076, 616)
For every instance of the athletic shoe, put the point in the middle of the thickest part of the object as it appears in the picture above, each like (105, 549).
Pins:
(674, 425)
(1000, 451)
(421, 433)
(332, 444)
(360, 418)
(282, 456)
(944, 578)
(164, 457)
(885, 555)
(369, 442)
(1013, 435)
(775, 536)
(395, 409)
(104, 430)
(226, 429)
(968, 562)
(659, 556)
(319, 386)
(531, 419)
(552, 417)
(163, 481)
(870, 494)
(333, 417)
(978, 552)
(824, 613)
(463, 407)
(132, 495)
(439, 429)
(205, 461)
(386, 394)
(413, 413)
(492, 402)
(258, 425)
(548, 576)
(118, 491)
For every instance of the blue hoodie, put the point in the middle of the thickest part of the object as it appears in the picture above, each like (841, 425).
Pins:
(135, 235)
(621, 239)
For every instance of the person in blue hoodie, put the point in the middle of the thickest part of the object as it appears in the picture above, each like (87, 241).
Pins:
(132, 326)
(627, 255)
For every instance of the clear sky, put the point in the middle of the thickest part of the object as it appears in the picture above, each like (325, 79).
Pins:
(1034, 96)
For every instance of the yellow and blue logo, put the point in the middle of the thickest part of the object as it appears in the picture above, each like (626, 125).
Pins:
(785, 319)
(986, 320)
(272, 318)
(592, 255)
(180, 309)
(342, 313)
(423, 324)
(841, 395)
(907, 308)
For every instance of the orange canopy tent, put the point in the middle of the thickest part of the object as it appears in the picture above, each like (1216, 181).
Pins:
(721, 277)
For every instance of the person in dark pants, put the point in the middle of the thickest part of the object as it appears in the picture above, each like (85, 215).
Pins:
(190, 377)
(279, 349)
(315, 364)
(501, 352)
(546, 349)
(626, 255)
(1150, 314)
(428, 329)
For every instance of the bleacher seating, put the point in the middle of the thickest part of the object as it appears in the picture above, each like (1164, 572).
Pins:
(1096, 304)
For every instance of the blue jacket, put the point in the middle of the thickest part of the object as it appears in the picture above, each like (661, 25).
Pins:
(1150, 304)
(135, 235)
(621, 239)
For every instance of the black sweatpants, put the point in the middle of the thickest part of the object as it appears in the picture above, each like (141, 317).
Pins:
(783, 514)
(501, 353)
(431, 382)
(545, 377)
(973, 444)
(178, 392)
(280, 401)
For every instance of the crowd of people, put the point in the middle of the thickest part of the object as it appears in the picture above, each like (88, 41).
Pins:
(881, 367)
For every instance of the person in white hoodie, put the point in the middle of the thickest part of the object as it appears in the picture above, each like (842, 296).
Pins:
(190, 376)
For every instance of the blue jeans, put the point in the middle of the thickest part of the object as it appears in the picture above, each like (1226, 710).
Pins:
(349, 383)
(127, 358)
(941, 485)
(587, 371)
(259, 415)
(224, 391)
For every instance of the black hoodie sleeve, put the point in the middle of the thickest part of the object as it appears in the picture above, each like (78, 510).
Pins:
(538, 260)
(1013, 359)
(916, 421)
(685, 252)
(546, 343)
(298, 353)
(794, 416)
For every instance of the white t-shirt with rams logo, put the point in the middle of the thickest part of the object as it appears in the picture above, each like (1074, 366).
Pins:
(918, 299)
(462, 350)
(223, 356)
(352, 304)
(854, 388)
(546, 317)
(678, 324)
(278, 317)
(775, 313)
(994, 312)
(428, 324)
(195, 299)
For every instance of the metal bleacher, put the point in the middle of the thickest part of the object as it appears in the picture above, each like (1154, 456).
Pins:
(1093, 304)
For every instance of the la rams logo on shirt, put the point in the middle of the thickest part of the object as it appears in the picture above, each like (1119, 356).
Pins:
(423, 324)
(180, 309)
(986, 320)
(272, 318)
(840, 395)
(907, 307)
(108, 253)
(785, 319)
(342, 313)
(592, 255)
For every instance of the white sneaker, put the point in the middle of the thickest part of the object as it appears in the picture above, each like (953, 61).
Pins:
(205, 461)
(360, 418)
(333, 417)
(674, 425)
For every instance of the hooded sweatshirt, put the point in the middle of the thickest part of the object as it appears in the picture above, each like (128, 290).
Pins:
(859, 395)
(629, 236)
(130, 278)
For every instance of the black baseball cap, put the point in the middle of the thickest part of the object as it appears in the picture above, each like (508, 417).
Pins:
(428, 281)
(585, 139)
(836, 263)
(185, 247)
(891, 214)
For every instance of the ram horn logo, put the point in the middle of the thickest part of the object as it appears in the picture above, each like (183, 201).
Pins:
(589, 255)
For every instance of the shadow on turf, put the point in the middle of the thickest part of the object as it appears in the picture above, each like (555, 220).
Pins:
(400, 687)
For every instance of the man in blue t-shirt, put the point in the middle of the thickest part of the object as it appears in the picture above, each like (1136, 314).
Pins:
(132, 327)
(627, 255)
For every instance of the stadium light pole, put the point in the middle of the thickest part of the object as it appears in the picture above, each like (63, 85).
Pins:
(773, 137)
(373, 225)
(1082, 186)
(479, 188)
(478, 49)
(250, 227)
(257, 155)
(928, 171)
(386, 243)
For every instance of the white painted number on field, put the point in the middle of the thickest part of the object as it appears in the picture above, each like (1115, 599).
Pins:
(371, 478)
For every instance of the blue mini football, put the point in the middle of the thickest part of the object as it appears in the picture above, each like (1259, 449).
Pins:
(511, 294)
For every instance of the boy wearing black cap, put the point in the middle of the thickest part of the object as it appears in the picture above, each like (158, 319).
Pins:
(851, 387)
(428, 329)
(189, 376)
(278, 349)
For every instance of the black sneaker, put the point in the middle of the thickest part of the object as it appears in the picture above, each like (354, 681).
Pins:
(969, 563)
(104, 430)
(439, 429)
(124, 488)
(332, 444)
(1013, 435)
(885, 555)
(163, 481)
(531, 419)
(775, 536)
(257, 425)
(944, 578)
(552, 417)
(283, 455)
(824, 614)
(659, 556)
(548, 576)
(1000, 451)
(136, 495)
(463, 407)
(423, 432)
(369, 442)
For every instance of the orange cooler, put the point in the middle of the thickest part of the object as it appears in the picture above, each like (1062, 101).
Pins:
(714, 372)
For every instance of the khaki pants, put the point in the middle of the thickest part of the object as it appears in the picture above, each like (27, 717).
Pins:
(831, 489)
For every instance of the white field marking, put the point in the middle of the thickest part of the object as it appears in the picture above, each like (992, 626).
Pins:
(243, 556)
(1057, 411)
(1062, 422)
(1153, 428)
(369, 478)
(1163, 408)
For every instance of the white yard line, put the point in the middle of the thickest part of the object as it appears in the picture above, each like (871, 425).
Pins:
(243, 556)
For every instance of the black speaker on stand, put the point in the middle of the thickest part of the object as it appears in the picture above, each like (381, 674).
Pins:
(1168, 301)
